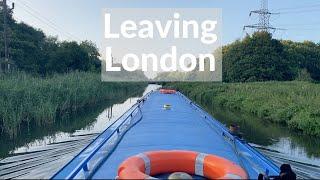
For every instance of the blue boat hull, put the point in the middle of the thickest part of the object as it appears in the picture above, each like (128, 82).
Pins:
(147, 126)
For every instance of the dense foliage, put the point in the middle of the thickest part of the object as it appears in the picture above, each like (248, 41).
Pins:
(305, 56)
(261, 58)
(50, 78)
(295, 103)
(31, 51)
(28, 99)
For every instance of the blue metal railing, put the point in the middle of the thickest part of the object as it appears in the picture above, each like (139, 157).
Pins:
(226, 133)
(206, 115)
(106, 135)
(83, 165)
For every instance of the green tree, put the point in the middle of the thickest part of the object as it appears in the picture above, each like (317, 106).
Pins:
(69, 56)
(256, 58)
(26, 47)
(305, 55)
(32, 51)
(93, 53)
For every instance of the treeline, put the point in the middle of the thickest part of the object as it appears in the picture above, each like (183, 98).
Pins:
(32, 51)
(259, 57)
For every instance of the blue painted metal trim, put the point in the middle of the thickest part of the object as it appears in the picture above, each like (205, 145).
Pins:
(236, 140)
(247, 155)
(84, 163)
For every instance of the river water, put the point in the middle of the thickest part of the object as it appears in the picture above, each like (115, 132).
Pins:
(282, 146)
(43, 151)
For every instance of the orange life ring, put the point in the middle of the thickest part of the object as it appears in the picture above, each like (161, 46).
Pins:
(146, 165)
(167, 91)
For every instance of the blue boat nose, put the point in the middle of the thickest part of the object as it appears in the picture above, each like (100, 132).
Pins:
(163, 120)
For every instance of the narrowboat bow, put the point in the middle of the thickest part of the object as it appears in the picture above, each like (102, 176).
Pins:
(163, 133)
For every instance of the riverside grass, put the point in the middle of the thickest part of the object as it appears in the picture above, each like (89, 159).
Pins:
(26, 99)
(295, 104)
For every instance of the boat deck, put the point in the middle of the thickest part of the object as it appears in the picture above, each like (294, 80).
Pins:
(179, 128)
(183, 127)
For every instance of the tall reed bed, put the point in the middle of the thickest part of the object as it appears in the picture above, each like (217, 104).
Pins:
(296, 104)
(26, 99)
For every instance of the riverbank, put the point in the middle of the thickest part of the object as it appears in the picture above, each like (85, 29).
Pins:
(295, 104)
(38, 101)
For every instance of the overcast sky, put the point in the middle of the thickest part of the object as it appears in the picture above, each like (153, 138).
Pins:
(82, 19)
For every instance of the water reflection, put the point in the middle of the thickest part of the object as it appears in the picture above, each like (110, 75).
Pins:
(43, 151)
(40, 152)
(277, 142)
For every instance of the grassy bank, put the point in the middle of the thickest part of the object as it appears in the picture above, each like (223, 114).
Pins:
(25, 99)
(296, 104)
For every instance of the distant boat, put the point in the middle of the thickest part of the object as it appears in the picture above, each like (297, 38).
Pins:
(163, 133)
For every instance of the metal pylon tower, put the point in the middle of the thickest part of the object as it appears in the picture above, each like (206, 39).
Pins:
(264, 19)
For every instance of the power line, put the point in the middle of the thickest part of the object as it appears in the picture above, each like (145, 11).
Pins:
(264, 19)
(50, 21)
(302, 24)
(304, 29)
(301, 11)
(43, 20)
(52, 27)
(34, 13)
(298, 7)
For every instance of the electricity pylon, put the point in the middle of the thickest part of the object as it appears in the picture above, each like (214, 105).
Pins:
(264, 19)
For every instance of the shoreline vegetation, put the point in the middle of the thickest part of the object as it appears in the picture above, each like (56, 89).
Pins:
(294, 104)
(68, 123)
(269, 78)
(48, 84)
(26, 99)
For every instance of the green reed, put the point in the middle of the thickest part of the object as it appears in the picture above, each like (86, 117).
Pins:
(27, 99)
(295, 104)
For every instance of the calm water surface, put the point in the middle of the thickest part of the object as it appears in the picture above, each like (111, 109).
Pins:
(41, 152)
(281, 145)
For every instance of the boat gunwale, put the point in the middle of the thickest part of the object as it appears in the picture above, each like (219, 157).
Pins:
(132, 108)
(233, 138)
(207, 117)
